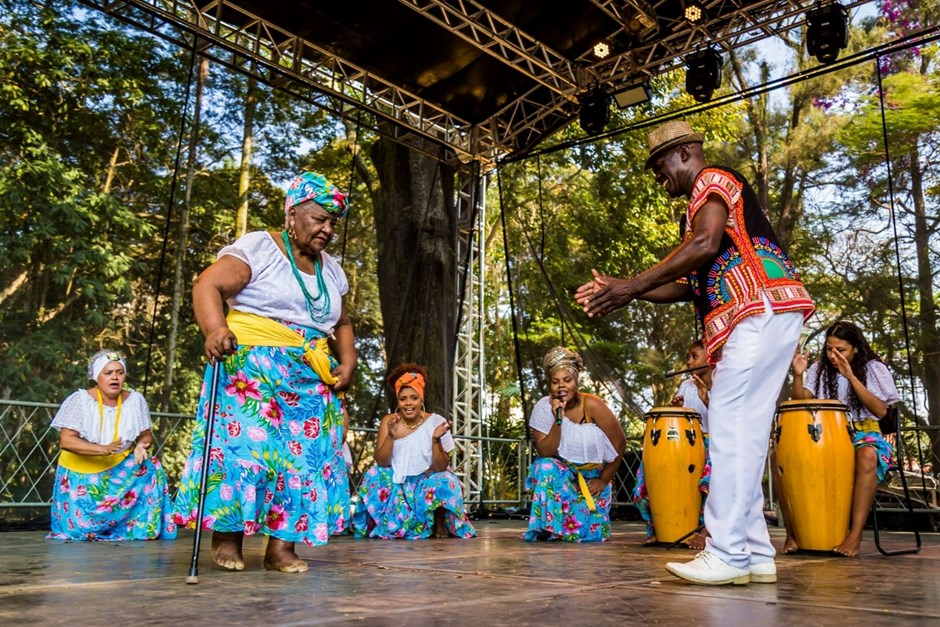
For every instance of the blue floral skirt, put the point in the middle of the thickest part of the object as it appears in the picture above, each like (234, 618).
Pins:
(406, 510)
(882, 447)
(641, 497)
(127, 502)
(559, 511)
(273, 461)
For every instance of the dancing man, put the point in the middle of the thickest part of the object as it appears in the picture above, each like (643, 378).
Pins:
(751, 306)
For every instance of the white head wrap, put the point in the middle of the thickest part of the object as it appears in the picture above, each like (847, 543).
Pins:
(101, 359)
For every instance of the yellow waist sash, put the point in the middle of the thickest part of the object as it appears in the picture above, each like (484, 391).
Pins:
(582, 483)
(867, 425)
(255, 330)
(90, 464)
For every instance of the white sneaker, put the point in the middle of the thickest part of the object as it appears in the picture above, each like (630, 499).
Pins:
(764, 573)
(710, 570)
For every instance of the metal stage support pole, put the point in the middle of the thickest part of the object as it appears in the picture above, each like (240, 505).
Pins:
(467, 405)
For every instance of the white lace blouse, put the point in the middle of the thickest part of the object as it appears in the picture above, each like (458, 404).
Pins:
(412, 454)
(80, 412)
(878, 380)
(690, 399)
(273, 291)
(580, 443)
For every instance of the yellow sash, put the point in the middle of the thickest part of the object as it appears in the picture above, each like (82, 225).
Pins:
(868, 425)
(90, 464)
(582, 483)
(255, 330)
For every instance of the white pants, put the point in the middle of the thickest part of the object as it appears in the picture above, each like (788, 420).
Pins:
(745, 386)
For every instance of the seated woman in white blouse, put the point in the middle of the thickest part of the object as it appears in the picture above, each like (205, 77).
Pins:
(851, 372)
(580, 445)
(107, 485)
(410, 493)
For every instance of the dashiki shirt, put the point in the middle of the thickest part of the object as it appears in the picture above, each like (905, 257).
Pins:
(750, 262)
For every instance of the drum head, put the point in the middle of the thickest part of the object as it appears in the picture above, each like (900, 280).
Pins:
(812, 404)
(670, 412)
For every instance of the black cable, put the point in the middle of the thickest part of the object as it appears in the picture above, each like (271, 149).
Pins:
(352, 176)
(169, 218)
(512, 304)
(897, 254)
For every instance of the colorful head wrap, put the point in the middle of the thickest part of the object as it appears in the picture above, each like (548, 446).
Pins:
(413, 380)
(561, 357)
(316, 187)
(101, 359)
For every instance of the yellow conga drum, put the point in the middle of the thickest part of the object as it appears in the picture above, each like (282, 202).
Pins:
(673, 457)
(816, 465)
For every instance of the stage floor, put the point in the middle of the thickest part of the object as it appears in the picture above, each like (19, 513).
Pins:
(492, 580)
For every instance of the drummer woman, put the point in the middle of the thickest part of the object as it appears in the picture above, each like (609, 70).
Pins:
(849, 371)
(580, 445)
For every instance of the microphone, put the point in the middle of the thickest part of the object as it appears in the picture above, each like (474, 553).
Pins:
(559, 411)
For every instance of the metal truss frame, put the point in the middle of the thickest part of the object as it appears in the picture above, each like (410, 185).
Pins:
(230, 34)
(469, 362)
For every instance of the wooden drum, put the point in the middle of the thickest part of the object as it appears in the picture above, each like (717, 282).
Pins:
(673, 458)
(816, 465)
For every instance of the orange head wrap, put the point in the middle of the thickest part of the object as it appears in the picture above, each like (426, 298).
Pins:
(413, 380)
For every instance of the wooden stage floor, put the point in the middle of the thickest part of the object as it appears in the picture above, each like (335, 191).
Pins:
(492, 580)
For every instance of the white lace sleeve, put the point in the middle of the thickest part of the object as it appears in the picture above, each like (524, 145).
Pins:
(250, 248)
(71, 414)
(447, 440)
(541, 419)
(880, 383)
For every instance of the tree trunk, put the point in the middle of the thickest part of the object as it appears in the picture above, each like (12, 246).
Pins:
(182, 240)
(927, 316)
(244, 178)
(415, 222)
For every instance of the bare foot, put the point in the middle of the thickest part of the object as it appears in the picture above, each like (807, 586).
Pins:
(790, 546)
(650, 540)
(280, 556)
(849, 547)
(227, 549)
(440, 524)
(697, 541)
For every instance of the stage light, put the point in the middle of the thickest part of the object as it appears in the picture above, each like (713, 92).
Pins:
(694, 12)
(703, 74)
(827, 31)
(632, 95)
(601, 50)
(595, 111)
(642, 20)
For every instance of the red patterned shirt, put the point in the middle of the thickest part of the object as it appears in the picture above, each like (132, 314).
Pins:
(750, 261)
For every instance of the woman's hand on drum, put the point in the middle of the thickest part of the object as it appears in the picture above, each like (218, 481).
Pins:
(677, 401)
(219, 343)
(343, 374)
(440, 430)
(595, 486)
(800, 363)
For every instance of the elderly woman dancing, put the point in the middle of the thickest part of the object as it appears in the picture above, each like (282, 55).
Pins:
(107, 485)
(276, 454)
(410, 493)
(580, 445)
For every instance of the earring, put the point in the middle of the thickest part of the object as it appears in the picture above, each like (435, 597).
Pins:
(290, 230)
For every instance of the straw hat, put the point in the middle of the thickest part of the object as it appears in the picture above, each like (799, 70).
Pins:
(670, 135)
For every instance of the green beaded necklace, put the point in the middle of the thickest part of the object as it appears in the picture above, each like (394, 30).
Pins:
(318, 312)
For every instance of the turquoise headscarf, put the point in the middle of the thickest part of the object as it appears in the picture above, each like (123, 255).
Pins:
(316, 187)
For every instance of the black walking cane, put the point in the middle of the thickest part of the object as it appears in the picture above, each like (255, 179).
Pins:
(193, 576)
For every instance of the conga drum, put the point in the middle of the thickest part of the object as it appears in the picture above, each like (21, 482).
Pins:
(816, 465)
(673, 457)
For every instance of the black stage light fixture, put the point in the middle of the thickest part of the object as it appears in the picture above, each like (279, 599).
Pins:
(703, 74)
(827, 31)
(694, 12)
(595, 111)
(633, 95)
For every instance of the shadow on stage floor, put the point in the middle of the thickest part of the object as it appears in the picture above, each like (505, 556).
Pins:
(492, 580)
